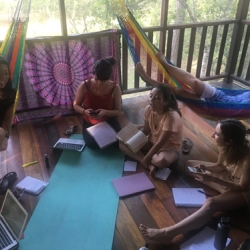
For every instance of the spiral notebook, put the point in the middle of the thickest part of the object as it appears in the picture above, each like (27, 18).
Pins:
(188, 197)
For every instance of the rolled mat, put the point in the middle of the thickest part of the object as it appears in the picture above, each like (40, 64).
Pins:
(78, 209)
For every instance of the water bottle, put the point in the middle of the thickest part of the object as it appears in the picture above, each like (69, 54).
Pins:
(222, 233)
(46, 159)
(144, 248)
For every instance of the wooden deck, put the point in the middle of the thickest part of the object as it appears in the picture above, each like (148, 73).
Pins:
(30, 140)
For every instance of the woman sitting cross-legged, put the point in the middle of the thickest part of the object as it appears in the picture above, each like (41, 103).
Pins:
(163, 125)
(99, 99)
(230, 175)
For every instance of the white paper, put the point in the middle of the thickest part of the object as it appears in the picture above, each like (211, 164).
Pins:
(130, 166)
(31, 185)
(203, 240)
(137, 141)
(162, 173)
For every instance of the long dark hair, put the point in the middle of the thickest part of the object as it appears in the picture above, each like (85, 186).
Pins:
(8, 92)
(234, 131)
(103, 68)
(8, 86)
(169, 98)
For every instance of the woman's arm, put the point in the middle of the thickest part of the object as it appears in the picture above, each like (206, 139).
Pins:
(216, 167)
(145, 129)
(243, 184)
(7, 121)
(165, 136)
(117, 104)
(80, 93)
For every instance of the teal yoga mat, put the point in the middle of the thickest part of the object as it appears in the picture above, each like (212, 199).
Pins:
(78, 209)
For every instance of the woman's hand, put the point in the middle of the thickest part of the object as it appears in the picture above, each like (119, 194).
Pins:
(100, 113)
(205, 176)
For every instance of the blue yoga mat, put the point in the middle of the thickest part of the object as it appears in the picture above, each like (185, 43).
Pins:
(78, 208)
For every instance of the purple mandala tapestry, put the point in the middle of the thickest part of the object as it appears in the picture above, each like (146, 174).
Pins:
(53, 70)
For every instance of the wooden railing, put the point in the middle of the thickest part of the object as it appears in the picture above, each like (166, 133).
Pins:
(225, 44)
(213, 40)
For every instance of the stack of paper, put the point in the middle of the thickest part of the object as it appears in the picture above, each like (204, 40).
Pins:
(31, 185)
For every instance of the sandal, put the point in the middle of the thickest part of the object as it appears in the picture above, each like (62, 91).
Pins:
(7, 181)
(70, 130)
(186, 145)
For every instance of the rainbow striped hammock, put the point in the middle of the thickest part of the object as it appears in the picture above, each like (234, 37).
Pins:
(141, 49)
(12, 48)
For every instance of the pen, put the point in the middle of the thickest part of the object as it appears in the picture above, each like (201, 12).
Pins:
(200, 191)
(30, 163)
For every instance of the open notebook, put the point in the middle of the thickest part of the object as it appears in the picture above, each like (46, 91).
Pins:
(13, 218)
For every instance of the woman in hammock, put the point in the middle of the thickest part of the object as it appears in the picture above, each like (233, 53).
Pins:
(230, 176)
(200, 88)
(99, 99)
(7, 99)
(163, 124)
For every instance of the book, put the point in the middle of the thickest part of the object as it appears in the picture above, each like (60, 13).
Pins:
(188, 197)
(203, 240)
(103, 134)
(162, 173)
(132, 184)
(132, 137)
(31, 185)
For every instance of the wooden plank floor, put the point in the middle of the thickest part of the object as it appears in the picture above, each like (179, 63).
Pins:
(30, 140)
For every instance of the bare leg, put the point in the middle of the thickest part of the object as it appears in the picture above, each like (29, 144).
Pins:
(174, 90)
(164, 159)
(197, 219)
(183, 76)
(3, 140)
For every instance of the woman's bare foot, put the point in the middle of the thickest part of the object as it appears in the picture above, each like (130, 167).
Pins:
(161, 57)
(152, 169)
(142, 73)
(158, 235)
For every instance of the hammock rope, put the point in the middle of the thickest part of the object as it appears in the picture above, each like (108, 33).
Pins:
(12, 48)
(142, 50)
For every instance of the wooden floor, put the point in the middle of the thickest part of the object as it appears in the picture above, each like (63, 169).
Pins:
(30, 140)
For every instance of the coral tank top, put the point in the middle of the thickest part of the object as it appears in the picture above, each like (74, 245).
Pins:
(92, 101)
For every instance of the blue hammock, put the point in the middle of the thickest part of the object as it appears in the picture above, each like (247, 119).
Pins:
(140, 48)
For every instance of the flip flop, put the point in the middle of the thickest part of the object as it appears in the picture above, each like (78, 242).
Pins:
(70, 130)
(7, 181)
(186, 145)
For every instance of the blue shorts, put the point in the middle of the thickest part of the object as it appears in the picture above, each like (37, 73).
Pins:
(221, 96)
